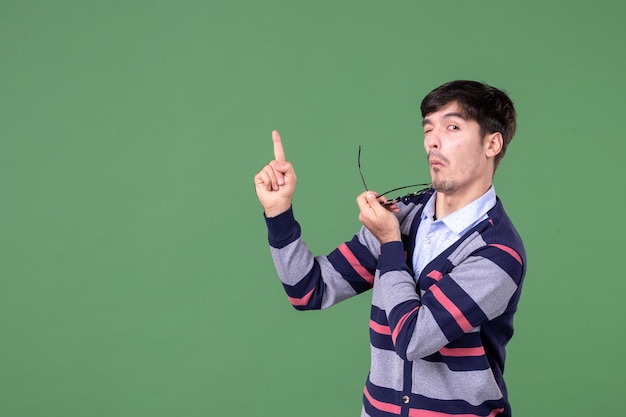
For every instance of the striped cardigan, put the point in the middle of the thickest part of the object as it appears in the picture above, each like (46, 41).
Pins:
(438, 347)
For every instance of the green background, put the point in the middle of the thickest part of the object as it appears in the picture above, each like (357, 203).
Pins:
(135, 278)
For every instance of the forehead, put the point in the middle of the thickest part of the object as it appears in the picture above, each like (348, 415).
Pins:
(450, 110)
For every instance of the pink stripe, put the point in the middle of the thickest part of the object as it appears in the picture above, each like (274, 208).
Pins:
(400, 324)
(434, 274)
(510, 252)
(386, 407)
(452, 309)
(459, 352)
(354, 262)
(379, 328)
(426, 413)
(301, 301)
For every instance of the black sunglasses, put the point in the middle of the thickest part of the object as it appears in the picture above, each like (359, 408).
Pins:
(400, 198)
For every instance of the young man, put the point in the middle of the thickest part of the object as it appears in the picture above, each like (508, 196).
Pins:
(446, 265)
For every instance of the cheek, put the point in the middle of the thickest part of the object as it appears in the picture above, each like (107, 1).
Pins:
(464, 158)
(471, 160)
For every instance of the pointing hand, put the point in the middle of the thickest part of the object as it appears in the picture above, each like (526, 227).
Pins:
(276, 182)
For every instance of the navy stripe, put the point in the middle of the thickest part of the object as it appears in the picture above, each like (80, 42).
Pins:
(380, 341)
(505, 261)
(310, 281)
(379, 315)
(341, 264)
(282, 229)
(442, 265)
(460, 363)
(461, 300)
(463, 363)
(456, 406)
(388, 395)
(404, 336)
(385, 395)
(468, 340)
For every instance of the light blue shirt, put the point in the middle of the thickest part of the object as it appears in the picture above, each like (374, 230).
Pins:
(435, 236)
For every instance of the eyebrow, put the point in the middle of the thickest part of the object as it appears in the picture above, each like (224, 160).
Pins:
(446, 116)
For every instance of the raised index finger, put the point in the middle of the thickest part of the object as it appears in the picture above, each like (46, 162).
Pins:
(279, 153)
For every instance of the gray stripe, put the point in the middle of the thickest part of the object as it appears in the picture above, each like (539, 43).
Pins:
(292, 262)
(387, 369)
(466, 247)
(436, 380)
(486, 283)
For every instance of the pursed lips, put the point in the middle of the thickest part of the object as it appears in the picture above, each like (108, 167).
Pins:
(435, 159)
(435, 162)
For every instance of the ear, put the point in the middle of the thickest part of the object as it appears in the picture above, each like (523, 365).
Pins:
(493, 144)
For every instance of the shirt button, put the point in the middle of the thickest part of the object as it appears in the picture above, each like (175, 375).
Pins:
(427, 241)
(406, 399)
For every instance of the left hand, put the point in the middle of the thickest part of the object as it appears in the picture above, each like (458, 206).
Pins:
(378, 219)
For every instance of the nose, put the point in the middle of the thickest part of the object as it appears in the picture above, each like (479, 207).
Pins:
(432, 140)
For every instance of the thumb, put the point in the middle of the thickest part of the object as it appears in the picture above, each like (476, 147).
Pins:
(368, 201)
(371, 198)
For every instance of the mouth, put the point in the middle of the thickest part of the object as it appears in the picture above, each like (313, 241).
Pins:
(436, 160)
(433, 162)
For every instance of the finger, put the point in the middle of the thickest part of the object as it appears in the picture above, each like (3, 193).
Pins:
(392, 207)
(263, 181)
(274, 179)
(379, 203)
(281, 170)
(279, 153)
(266, 179)
(361, 202)
(367, 201)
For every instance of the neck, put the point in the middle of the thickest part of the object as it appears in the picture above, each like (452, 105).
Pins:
(447, 203)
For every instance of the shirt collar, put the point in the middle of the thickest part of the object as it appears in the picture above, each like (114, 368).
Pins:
(466, 216)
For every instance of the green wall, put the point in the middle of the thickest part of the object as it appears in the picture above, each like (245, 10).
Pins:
(135, 278)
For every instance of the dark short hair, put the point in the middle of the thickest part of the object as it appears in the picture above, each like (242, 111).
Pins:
(491, 108)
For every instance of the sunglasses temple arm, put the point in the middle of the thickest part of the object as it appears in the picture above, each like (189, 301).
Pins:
(360, 171)
(402, 188)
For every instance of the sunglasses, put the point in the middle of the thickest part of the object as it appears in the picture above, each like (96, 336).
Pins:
(403, 198)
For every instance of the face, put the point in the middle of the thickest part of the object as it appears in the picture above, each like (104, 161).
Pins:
(460, 159)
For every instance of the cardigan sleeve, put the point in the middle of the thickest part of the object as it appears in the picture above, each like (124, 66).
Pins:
(318, 282)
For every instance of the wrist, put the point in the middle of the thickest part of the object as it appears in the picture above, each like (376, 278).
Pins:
(389, 237)
(276, 210)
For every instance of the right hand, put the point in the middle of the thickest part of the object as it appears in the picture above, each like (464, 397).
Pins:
(276, 182)
(378, 219)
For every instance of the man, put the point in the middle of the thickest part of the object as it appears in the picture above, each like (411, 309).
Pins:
(446, 265)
